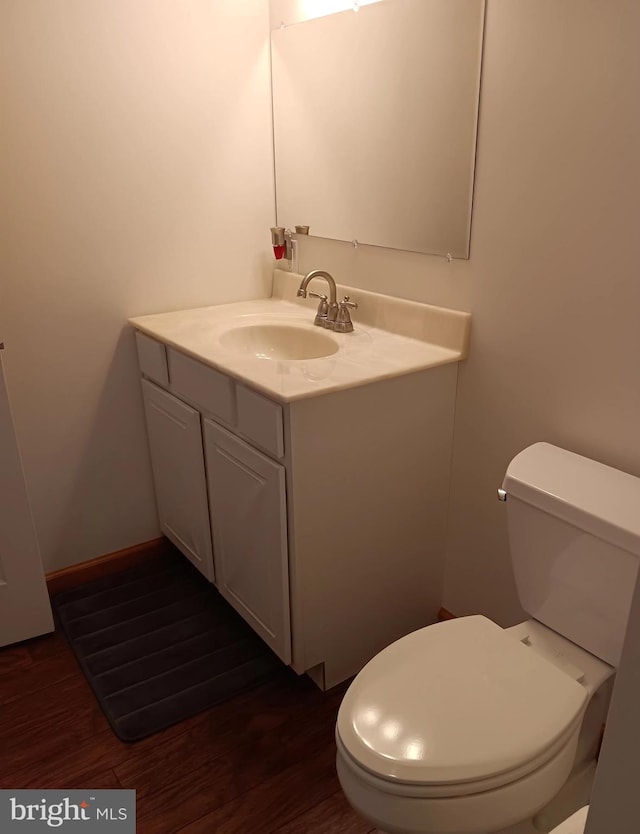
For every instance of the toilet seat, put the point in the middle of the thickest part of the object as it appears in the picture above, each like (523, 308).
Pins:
(457, 708)
(445, 790)
(414, 809)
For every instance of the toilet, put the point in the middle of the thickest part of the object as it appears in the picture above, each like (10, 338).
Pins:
(464, 727)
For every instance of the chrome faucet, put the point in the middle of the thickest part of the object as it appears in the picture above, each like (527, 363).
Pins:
(327, 310)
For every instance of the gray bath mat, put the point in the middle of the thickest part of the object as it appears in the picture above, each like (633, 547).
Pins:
(158, 644)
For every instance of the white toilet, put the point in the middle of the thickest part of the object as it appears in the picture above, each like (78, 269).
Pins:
(467, 728)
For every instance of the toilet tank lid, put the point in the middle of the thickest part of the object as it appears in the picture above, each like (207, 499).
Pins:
(598, 499)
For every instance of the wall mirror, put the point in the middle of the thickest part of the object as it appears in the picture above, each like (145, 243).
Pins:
(375, 120)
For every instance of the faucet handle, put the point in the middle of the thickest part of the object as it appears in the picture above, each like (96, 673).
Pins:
(323, 309)
(346, 302)
(343, 323)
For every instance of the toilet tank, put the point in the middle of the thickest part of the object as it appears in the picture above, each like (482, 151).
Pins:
(574, 534)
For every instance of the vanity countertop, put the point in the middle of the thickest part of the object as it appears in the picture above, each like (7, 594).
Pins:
(391, 337)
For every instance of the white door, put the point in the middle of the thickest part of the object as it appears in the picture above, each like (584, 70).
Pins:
(24, 602)
(249, 522)
(175, 441)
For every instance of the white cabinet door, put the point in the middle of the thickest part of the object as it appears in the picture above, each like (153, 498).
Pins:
(175, 440)
(247, 499)
(24, 603)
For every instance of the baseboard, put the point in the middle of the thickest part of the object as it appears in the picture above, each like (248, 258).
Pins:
(443, 614)
(74, 575)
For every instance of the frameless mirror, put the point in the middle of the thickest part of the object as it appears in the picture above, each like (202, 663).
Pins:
(375, 118)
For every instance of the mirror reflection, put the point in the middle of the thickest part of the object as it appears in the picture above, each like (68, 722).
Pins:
(375, 118)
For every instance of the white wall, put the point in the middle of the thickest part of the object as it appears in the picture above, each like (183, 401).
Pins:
(552, 282)
(136, 174)
(555, 291)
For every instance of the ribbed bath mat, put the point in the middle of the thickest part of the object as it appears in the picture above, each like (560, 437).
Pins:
(158, 644)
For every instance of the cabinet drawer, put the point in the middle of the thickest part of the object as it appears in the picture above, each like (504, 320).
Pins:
(208, 388)
(260, 420)
(152, 358)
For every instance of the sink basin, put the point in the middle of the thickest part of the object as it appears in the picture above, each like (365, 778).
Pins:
(278, 341)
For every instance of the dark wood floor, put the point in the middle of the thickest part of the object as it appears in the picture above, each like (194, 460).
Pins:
(263, 762)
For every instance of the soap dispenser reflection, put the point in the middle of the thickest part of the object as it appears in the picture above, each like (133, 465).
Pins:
(280, 241)
(285, 245)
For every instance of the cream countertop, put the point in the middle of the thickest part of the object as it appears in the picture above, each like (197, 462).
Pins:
(391, 337)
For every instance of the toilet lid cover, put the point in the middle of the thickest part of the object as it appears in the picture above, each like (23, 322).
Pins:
(456, 701)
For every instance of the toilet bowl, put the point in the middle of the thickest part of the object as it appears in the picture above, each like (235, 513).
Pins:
(464, 727)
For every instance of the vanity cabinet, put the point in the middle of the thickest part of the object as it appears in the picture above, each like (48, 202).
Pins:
(320, 519)
(221, 501)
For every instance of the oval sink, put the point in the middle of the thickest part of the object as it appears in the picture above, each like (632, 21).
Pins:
(278, 341)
